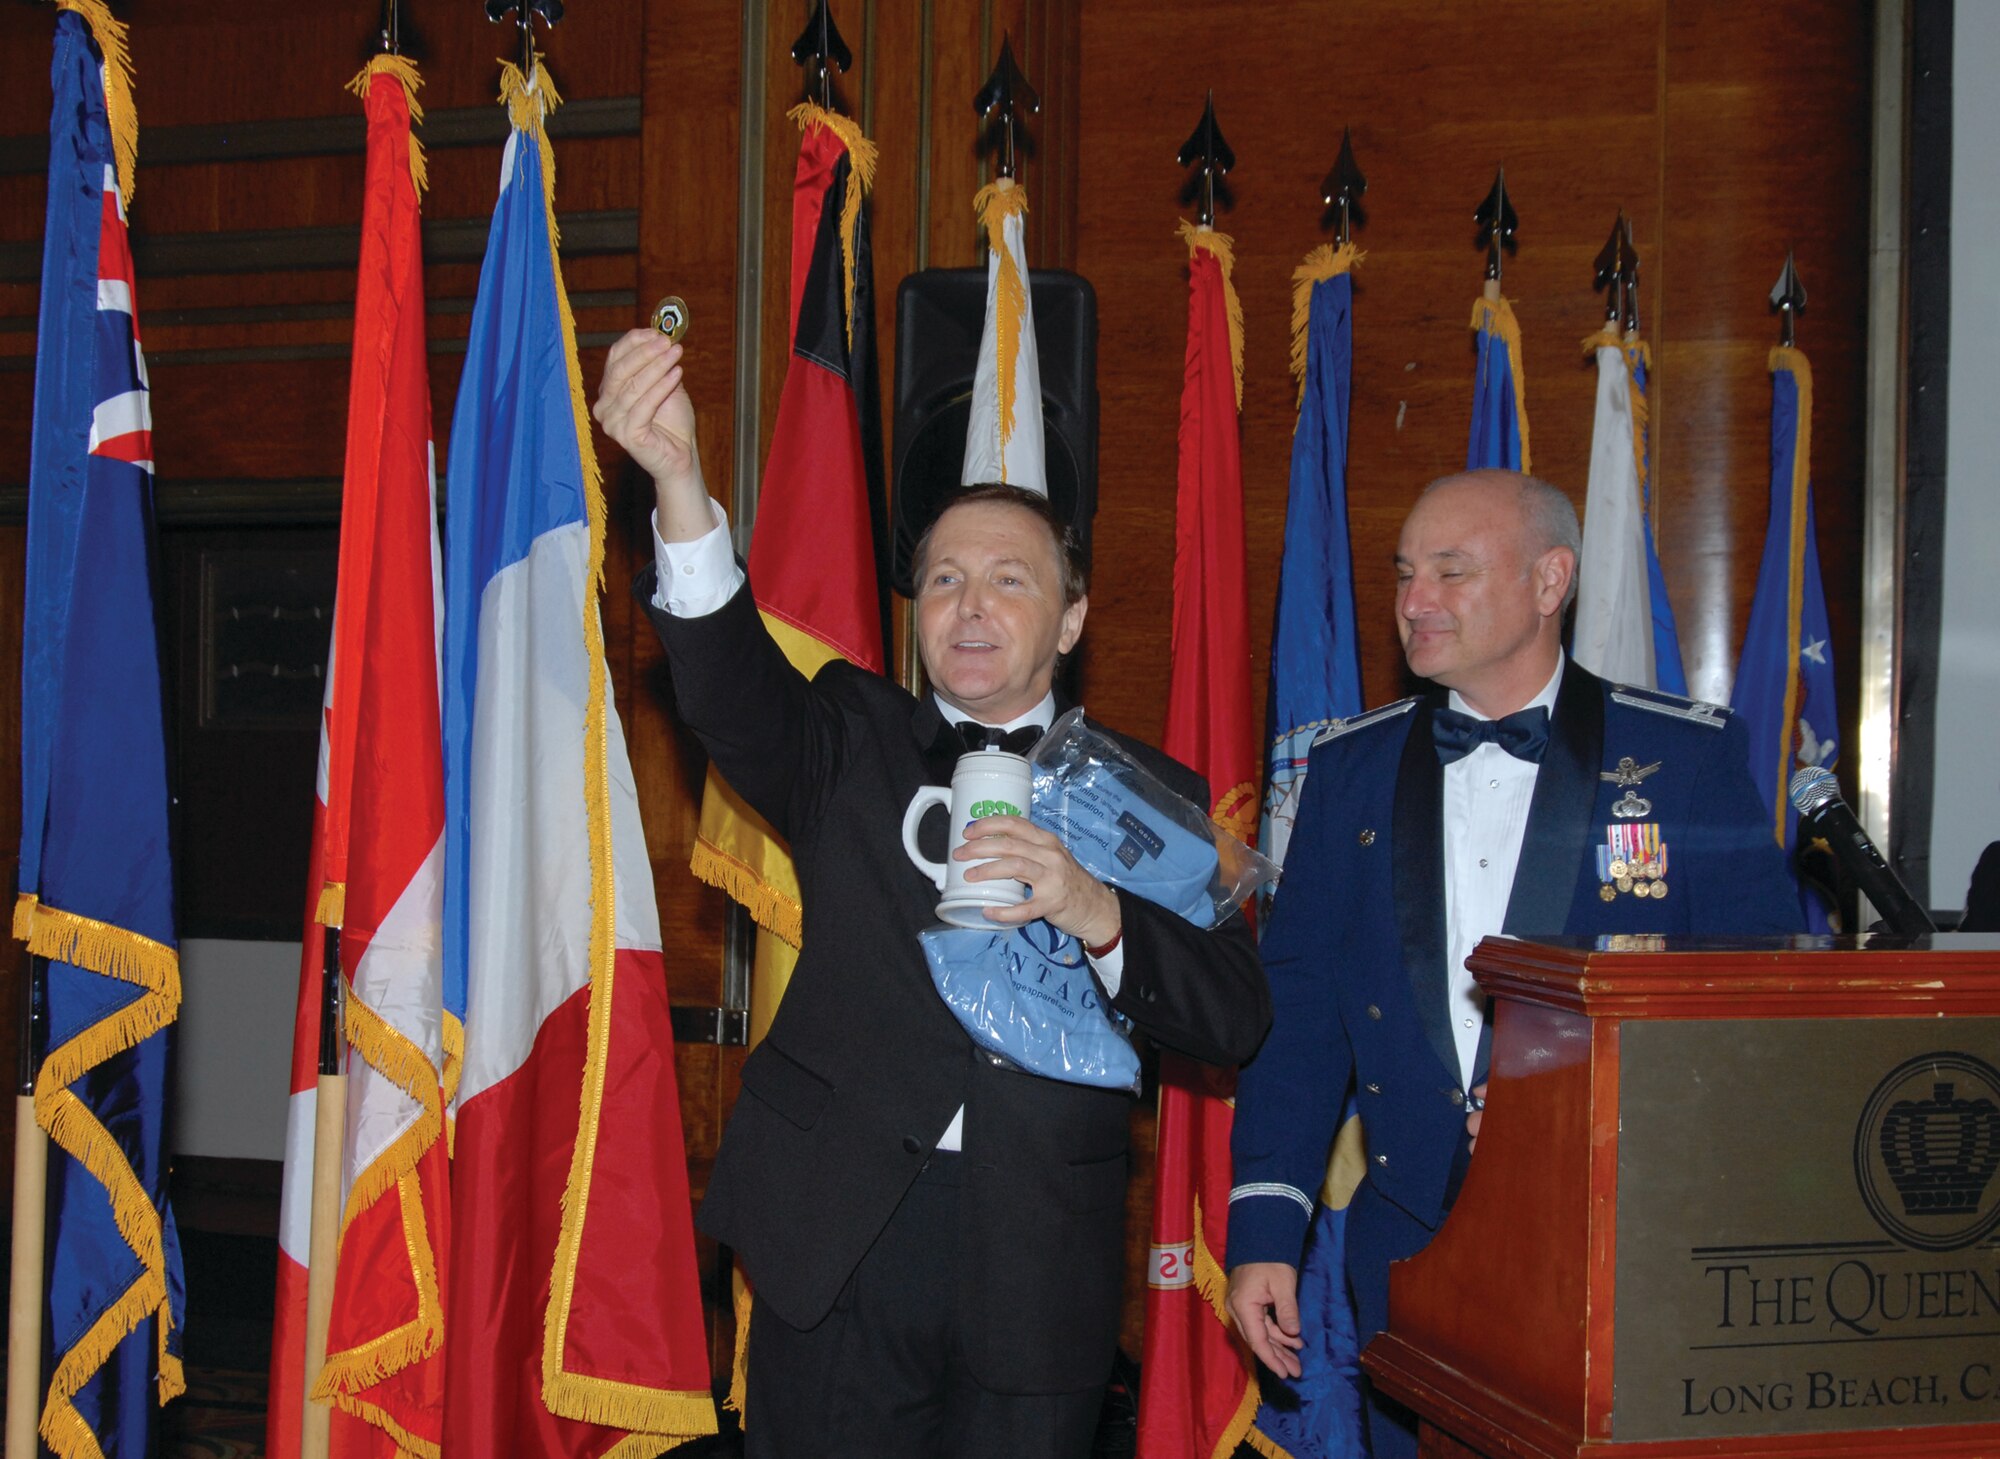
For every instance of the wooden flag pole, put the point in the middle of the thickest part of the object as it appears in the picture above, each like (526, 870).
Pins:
(329, 1130)
(31, 1184)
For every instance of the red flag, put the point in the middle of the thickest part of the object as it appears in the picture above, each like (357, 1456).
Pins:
(1199, 1390)
(377, 866)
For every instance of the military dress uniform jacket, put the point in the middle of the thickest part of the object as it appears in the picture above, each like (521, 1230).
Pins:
(1356, 946)
(863, 1065)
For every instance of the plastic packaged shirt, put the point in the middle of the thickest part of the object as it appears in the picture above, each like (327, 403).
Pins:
(1129, 830)
(1027, 994)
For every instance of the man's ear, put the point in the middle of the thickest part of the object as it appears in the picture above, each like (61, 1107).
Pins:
(1555, 570)
(1072, 624)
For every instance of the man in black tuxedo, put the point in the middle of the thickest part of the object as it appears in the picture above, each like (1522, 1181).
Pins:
(935, 1240)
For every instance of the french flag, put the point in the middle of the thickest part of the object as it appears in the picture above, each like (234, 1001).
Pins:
(572, 1308)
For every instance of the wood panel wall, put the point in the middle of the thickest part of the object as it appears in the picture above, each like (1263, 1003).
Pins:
(1729, 132)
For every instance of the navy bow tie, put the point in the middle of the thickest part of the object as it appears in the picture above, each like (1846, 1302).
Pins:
(1524, 734)
(979, 736)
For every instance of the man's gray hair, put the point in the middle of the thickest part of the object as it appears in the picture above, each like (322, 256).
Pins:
(1546, 512)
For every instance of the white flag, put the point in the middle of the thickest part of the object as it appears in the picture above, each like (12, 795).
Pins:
(1614, 611)
(1003, 440)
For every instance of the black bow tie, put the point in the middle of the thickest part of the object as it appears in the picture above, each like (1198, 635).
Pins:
(1524, 734)
(979, 736)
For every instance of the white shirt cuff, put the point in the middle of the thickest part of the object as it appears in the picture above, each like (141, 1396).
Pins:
(1110, 968)
(698, 577)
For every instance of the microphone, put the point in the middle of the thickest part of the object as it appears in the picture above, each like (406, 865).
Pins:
(1817, 797)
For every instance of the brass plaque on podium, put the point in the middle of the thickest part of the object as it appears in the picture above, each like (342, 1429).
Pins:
(1806, 1229)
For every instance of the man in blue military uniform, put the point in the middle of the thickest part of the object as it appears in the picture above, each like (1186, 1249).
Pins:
(1522, 795)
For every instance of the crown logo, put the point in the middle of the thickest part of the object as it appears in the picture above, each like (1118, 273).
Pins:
(1941, 1152)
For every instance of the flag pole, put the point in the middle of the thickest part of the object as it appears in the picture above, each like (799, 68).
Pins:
(31, 1183)
(329, 1127)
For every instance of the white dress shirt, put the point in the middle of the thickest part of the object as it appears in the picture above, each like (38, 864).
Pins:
(698, 577)
(1486, 799)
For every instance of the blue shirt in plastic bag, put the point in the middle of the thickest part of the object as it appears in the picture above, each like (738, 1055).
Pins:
(1027, 994)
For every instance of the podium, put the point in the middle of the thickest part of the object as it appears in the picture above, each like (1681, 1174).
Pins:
(1729, 1198)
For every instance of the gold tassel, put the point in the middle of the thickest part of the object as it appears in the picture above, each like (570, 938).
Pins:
(769, 908)
(1498, 315)
(111, 35)
(404, 71)
(862, 154)
(994, 204)
(1323, 263)
(332, 908)
(1223, 247)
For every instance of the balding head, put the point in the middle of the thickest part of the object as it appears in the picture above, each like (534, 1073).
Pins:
(1485, 567)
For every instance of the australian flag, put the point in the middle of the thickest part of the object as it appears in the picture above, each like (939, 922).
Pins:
(96, 893)
(1784, 681)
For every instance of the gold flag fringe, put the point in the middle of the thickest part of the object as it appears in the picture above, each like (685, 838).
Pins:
(651, 1411)
(770, 908)
(1213, 1285)
(112, 952)
(1500, 314)
(331, 910)
(111, 35)
(1323, 263)
(1242, 1423)
(1637, 352)
(350, 1371)
(862, 154)
(994, 205)
(1270, 1448)
(1786, 357)
(1224, 249)
(404, 70)
(739, 1361)
(393, 1056)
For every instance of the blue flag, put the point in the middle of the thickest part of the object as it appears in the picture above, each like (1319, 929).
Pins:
(1784, 681)
(1315, 653)
(96, 896)
(1316, 679)
(1499, 390)
(1667, 671)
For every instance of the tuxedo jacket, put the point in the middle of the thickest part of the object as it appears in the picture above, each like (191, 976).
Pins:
(864, 1066)
(1356, 947)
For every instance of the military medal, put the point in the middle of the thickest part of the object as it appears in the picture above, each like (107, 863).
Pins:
(670, 317)
(1633, 857)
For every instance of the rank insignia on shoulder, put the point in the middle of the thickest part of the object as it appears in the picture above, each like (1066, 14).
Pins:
(1361, 721)
(1657, 701)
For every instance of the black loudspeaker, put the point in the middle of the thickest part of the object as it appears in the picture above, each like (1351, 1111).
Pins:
(940, 314)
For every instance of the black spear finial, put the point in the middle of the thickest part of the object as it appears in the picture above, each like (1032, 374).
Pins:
(1207, 148)
(1609, 272)
(1000, 102)
(822, 51)
(1342, 188)
(1497, 223)
(1630, 268)
(525, 12)
(1788, 297)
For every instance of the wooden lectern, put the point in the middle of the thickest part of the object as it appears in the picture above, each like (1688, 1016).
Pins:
(1729, 1198)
